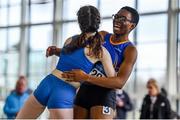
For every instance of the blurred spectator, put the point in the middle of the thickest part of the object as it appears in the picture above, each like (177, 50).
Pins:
(174, 115)
(155, 105)
(164, 92)
(123, 104)
(17, 98)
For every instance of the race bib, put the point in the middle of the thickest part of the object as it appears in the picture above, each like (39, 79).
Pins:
(98, 70)
(106, 110)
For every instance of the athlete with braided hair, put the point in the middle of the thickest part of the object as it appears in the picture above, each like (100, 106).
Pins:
(80, 52)
(96, 96)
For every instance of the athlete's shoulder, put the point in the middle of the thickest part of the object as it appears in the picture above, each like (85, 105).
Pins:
(103, 34)
(74, 37)
(68, 40)
(131, 45)
(131, 48)
(105, 51)
(131, 52)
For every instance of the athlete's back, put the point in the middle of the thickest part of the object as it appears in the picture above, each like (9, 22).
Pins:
(74, 60)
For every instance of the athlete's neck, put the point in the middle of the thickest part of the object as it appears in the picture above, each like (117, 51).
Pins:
(90, 34)
(119, 38)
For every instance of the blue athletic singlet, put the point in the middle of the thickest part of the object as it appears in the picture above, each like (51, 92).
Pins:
(99, 95)
(54, 92)
(116, 52)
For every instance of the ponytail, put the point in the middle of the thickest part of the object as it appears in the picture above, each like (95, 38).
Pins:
(94, 43)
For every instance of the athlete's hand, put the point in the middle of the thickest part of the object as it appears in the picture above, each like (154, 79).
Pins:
(75, 75)
(51, 50)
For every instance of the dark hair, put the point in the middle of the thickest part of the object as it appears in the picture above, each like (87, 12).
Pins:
(89, 20)
(164, 92)
(134, 13)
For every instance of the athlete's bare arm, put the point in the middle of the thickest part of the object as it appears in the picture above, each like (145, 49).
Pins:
(103, 34)
(123, 74)
(53, 50)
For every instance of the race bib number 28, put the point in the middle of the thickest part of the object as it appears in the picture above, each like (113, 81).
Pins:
(98, 70)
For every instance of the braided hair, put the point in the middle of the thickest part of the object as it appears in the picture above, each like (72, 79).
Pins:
(89, 20)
